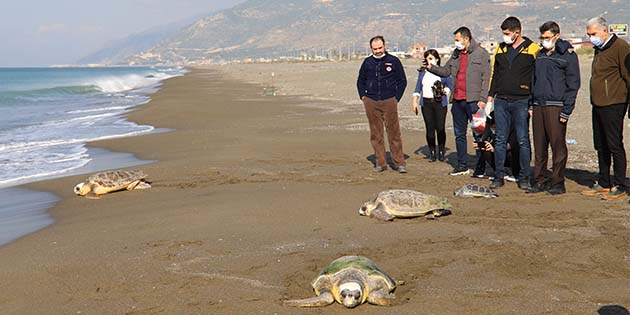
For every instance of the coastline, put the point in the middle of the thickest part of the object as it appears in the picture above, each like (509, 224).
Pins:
(253, 195)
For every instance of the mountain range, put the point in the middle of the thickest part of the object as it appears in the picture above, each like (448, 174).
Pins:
(273, 28)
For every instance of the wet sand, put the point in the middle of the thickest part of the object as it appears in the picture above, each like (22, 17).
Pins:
(252, 195)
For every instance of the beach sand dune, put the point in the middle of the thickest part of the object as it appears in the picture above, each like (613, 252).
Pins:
(252, 195)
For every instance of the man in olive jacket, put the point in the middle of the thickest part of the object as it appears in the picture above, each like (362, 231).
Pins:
(610, 90)
(470, 68)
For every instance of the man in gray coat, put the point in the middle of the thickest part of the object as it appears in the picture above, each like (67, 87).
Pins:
(470, 68)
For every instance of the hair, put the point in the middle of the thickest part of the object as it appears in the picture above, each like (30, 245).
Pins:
(377, 38)
(598, 21)
(511, 24)
(464, 32)
(433, 53)
(551, 26)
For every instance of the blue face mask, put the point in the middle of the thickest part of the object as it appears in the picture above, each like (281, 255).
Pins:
(596, 41)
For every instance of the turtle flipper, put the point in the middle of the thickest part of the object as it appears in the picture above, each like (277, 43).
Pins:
(434, 214)
(323, 299)
(380, 213)
(380, 297)
(92, 195)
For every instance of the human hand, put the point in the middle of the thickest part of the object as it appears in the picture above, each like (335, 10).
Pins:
(414, 107)
(563, 120)
(481, 105)
(475, 146)
(489, 147)
(531, 112)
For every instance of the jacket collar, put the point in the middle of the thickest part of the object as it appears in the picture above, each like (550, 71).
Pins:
(610, 42)
(526, 42)
(561, 46)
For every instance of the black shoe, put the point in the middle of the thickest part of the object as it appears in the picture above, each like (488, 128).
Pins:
(524, 184)
(441, 156)
(496, 183)
(460, 170)
(432, 156)
(557, 190)
(537, 188)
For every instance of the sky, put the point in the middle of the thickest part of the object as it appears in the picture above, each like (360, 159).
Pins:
(36, 33)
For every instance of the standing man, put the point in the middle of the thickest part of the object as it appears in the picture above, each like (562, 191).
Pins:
(610, 89)
(510, 89)
(381, 85)
(470, 65)
(556, 84)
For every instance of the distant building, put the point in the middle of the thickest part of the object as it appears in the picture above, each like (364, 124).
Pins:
(417, 50)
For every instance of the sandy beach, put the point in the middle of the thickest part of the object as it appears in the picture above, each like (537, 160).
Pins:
(252, 195)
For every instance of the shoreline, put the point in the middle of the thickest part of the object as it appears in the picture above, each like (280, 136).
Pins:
(253, 195)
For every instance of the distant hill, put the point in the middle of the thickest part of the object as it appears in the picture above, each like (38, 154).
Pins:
(272, 28)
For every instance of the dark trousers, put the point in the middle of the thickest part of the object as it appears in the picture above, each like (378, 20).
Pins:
(512, 114)
(384, 114)
(434, 115)
(511, 158)
(462, 114)
(548, 130)
(608, 140)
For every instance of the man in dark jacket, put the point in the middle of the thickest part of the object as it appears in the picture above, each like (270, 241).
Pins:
(470, 68)
(610, 90)
(555, 86)
(381, 84)
(510, 89)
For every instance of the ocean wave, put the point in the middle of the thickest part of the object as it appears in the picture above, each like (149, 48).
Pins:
(29, 145)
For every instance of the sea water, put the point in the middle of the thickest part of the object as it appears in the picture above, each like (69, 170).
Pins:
(47, 115)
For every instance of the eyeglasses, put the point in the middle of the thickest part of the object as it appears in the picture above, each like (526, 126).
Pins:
(546, 37)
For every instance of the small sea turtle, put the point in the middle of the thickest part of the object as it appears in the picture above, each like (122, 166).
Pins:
(475, 190)
(401, 203)
(350, 280)
(106, 182)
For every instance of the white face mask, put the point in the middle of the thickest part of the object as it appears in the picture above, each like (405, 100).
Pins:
(459, 45)
(508, 39)
(547, 44)
(433, 62)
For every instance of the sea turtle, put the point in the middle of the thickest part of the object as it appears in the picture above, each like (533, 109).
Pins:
(106, 182)
(350, 280)
(475, 190)
(401, 203)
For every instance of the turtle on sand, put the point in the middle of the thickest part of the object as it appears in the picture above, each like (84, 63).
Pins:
(106, 182)
(401, 203)
(475, 190)
(350, 280)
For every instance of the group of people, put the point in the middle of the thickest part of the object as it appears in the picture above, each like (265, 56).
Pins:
(523, 81)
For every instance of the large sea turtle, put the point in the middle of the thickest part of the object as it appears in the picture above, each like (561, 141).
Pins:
(106, 182)
(350, 280)
(401, 203)
(475, 190)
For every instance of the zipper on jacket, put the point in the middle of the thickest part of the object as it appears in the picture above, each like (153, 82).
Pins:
(606, 86)
(378, 77)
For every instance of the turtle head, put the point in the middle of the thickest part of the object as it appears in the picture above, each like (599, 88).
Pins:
(82, 189)
(367, 207)
(350, 294)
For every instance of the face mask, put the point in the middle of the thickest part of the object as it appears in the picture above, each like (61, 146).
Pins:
(508, 39)
(547, 44)
(433, 62)
(596, 41)
(460, 45)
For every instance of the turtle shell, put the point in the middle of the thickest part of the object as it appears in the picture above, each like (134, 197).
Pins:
(114, 180)
(475, 190)
(410, 203)
(359, 263)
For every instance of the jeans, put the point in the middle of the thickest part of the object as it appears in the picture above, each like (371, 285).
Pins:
(512, 114)
(462, 114)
